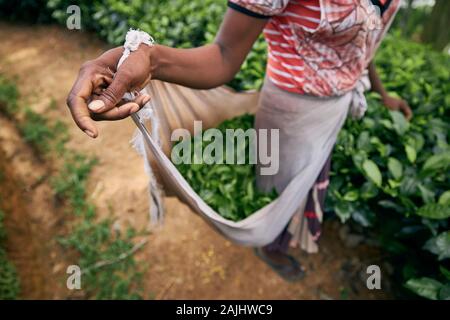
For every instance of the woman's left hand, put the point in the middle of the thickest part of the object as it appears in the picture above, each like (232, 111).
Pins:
(397, 104)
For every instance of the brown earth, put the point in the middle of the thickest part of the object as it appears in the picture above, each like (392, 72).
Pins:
(32, 218)
(186, 259)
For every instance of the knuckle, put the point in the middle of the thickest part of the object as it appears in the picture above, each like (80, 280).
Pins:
(110, 95)
(124, 76)
(86, 65)
(69, 99)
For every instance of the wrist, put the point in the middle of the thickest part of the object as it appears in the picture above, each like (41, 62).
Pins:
(384, 95)
(153, 56)
(109, 58)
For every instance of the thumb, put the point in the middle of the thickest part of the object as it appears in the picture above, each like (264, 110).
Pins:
(111, 96)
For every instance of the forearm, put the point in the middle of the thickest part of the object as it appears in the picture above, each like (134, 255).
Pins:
(201, 68)
(211, 65)
(375, 81)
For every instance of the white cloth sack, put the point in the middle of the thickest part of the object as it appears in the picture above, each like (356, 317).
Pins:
(175, 106)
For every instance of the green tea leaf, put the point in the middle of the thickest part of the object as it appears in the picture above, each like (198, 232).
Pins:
(439, 245)
(351, 195)
(445, 272)
(424, 287)
(395, 168)
(444, 293)
(343, 211)
(437, 162)
(369, 190)
(444, 199)
(434, 211)
(411, 153)
(400, 123)
(427, 194)
(372, 171)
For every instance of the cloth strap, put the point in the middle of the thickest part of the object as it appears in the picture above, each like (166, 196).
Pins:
(132, 41)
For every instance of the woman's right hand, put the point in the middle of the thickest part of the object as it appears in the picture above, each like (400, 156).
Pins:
(98, 91)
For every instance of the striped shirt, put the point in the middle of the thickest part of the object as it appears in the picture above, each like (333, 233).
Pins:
(320, 47)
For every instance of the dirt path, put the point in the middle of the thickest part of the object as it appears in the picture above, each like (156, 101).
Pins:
(32, 218)
(185, 258)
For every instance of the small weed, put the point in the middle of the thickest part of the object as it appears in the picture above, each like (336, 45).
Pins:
(343, 293)
(9, 280)
(8, 97)
(36, 131)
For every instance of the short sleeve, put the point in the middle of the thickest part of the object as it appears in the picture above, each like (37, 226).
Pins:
(259, 8)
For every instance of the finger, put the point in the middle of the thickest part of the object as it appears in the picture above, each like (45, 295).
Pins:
(81, 115)
(123, 109)
(117, 113)
(406, 110)
(142, 99)
(77, 103)
(110, 96)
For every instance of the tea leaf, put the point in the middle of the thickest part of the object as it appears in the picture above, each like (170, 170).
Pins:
(372, 171)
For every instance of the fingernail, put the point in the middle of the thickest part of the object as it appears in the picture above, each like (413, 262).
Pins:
(96, 105)
(89, 133)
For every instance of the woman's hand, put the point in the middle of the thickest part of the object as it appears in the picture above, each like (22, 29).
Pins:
(209, 66)
(390, 102)
(99, 85)
(397, 104)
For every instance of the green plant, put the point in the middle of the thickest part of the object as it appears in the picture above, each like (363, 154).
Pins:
(230, 189)
(98, 246)
(36, 131)
(392, 175)
(9, 280)
(8, 96)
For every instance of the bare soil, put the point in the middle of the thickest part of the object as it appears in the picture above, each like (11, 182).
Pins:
(185, 258)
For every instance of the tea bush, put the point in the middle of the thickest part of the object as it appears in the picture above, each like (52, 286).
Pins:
(393, 175)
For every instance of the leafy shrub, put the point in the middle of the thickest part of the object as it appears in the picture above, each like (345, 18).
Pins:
(25, 10)
(411, 23)
(393, 175)
(230, 189)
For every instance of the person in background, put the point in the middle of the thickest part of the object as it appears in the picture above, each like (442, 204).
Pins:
(318, 54)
